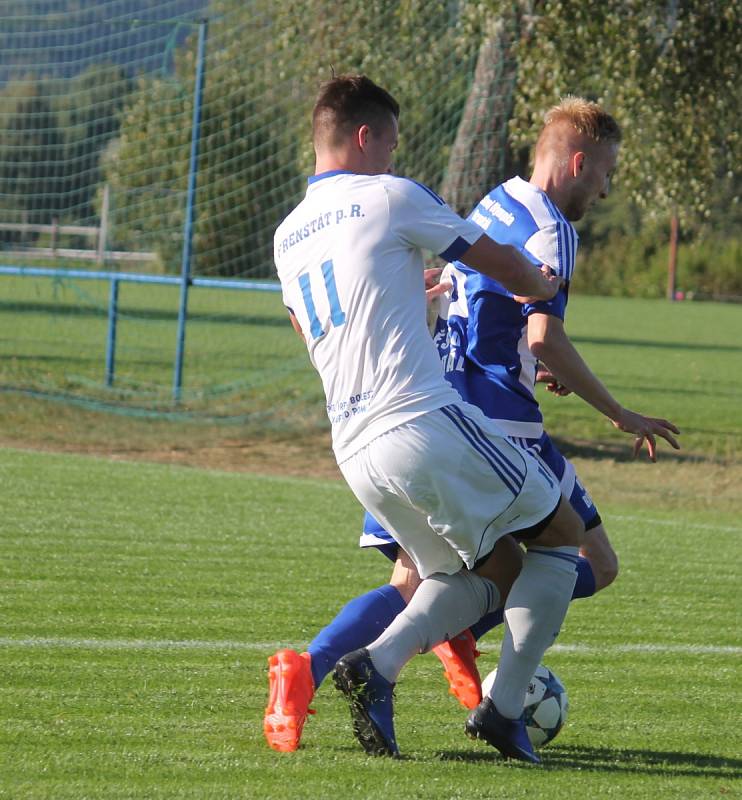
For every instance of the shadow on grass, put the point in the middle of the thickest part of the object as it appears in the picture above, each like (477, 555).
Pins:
(614, 342)
(602, 759)
(621, 451)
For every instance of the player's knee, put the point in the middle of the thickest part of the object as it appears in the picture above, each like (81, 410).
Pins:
(602, 557)
(566, 529)
(406, 590)
(503, 565)
(405, 578)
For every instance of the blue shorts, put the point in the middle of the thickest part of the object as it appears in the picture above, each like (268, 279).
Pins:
(374, 535)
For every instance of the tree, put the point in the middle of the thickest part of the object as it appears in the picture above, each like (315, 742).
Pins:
(247, 157)
(30, 156)
(88, 111)
(265, 63)
(481, 156)
(667, 69)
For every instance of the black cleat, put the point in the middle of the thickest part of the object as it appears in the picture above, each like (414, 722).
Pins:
(509, 736)
(369, 695)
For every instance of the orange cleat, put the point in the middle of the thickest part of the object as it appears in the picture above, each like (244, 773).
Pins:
(458, 656)
(291, 691)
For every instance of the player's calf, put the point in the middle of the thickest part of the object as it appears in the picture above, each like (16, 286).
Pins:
(601, 556)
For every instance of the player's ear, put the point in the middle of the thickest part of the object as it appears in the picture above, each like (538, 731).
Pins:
(577, 163)
(362, 135)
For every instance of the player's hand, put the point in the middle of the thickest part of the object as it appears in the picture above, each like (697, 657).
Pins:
(646, 429)
(550, 284)
(433, 286)
(552, 384)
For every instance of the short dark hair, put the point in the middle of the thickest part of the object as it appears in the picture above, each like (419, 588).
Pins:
(346, 102)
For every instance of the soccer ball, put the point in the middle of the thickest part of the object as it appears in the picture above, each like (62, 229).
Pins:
(546, 705)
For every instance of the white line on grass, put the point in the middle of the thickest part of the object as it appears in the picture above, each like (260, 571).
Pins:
(268, 647)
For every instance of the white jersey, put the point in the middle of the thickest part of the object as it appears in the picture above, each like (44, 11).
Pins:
(351, 270)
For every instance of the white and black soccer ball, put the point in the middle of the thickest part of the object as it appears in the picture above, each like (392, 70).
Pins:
(545, 705)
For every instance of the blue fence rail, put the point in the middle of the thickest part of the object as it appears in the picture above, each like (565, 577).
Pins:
(185, 281)
(129, 277)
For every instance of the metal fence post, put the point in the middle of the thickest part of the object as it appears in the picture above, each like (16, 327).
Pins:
(185, 267)
(113, 299)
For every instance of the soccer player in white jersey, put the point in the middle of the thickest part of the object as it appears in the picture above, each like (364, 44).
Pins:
(434, 470)
(484, 338)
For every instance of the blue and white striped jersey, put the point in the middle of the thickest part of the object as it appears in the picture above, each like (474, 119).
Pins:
(481, 331)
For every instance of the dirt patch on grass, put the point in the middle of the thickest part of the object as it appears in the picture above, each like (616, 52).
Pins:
(33, 424)
(308, 457)
(677, 481)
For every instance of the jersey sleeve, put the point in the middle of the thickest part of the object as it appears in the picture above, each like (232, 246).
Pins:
(555, 245)
(422, 219)
(556, 307)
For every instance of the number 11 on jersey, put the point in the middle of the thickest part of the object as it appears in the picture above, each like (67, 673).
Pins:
(337, 315)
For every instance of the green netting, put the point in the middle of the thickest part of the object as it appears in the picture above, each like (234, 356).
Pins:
(96, 105)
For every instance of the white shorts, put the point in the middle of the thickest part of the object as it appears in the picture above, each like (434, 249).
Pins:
(448, 484)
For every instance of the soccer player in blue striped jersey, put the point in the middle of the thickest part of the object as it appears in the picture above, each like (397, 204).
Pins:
(490, 344)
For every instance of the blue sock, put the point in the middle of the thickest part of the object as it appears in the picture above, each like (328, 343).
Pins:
(489, 621)
(357, 624)
(584, 587)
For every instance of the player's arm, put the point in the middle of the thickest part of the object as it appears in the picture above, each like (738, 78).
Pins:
(422, 220)
(511, 269)
(549, 342)
(295, 325)
(434, 286)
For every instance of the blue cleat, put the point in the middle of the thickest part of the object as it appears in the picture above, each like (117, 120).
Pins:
(369, 695)
(509, 736)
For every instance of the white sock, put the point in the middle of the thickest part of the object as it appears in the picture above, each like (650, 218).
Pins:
(534, 612)
(442, 607)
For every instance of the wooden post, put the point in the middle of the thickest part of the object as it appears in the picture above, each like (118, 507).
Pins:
(672, 264)
(103, 229)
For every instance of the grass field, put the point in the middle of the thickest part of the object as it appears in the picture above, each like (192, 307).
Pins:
(140, 603)
(242, 358)
(241, 353)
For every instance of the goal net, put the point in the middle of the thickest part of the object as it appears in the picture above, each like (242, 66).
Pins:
(100, 177)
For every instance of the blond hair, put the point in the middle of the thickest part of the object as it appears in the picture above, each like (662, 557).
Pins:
(587, 118)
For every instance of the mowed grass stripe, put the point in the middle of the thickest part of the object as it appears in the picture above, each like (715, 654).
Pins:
(99, 551)
(664, 359)
(269, 647)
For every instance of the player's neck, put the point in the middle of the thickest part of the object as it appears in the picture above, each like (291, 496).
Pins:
(330, 165)
(331, 161)
(550, 184)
